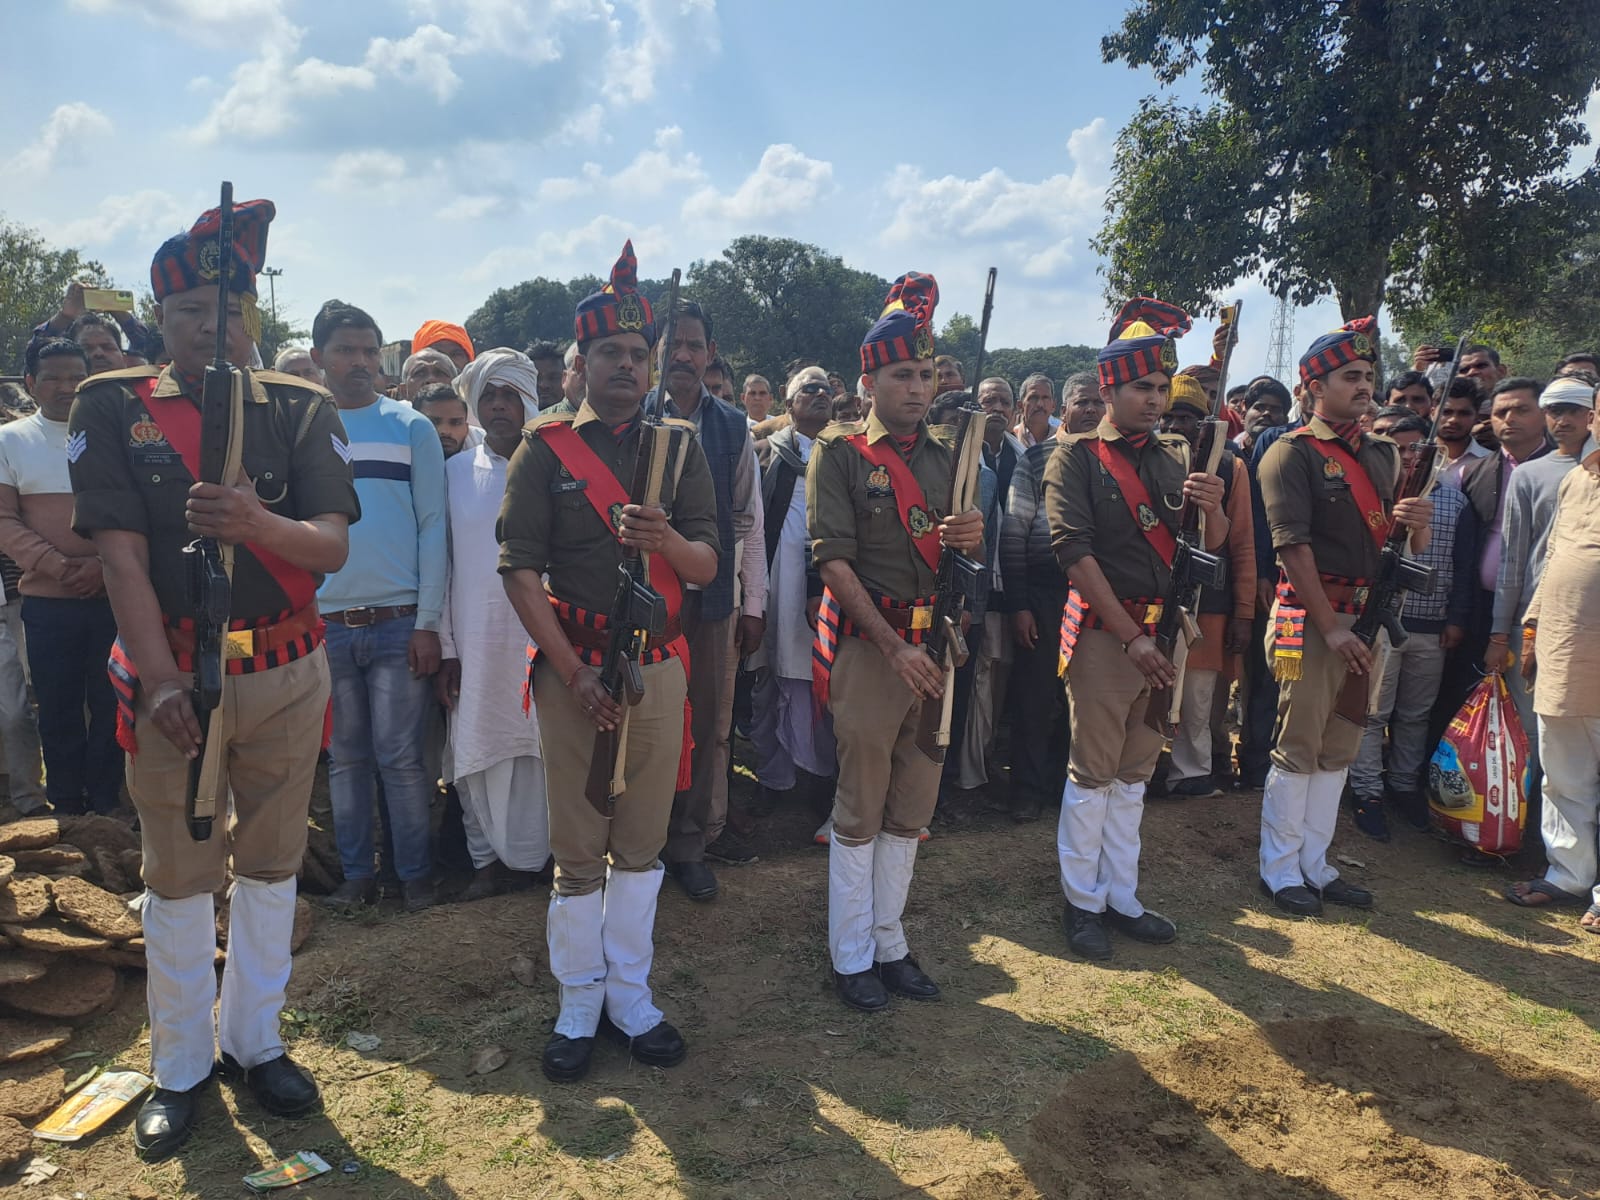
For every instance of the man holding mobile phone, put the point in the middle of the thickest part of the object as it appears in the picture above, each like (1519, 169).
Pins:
(79, 320)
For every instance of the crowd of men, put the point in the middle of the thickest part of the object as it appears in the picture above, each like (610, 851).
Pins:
(432, 563)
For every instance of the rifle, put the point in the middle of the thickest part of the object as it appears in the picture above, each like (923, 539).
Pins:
(638, 612)
(1397, 574)
(983, 331)
(956, 588)
(1193, 566)
(209, 573)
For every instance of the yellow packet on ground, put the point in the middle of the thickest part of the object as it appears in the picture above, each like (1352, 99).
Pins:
(92, 1105)
(295, 1169)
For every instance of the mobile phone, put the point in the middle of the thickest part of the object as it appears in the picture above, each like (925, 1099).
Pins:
(107, 300)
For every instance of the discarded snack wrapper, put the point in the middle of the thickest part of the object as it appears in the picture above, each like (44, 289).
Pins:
(87, 1109)
(297, 1168)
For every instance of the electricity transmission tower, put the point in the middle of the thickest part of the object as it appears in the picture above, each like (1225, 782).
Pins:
(1278, 339)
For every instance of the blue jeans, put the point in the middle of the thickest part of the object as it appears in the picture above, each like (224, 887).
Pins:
(69, 642)
(379, 715)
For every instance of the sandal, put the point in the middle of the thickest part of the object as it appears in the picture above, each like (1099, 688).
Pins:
(1551, 894)
(1592, 924)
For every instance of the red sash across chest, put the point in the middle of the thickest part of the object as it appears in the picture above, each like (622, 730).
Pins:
(1137, 498)
(1338, 463)
(179, 421)
(909, 500)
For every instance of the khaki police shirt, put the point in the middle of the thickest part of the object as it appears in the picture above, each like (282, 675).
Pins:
(1089, 516)
(547, 523)
(1309, 504)
(853, 514)
(125, 476)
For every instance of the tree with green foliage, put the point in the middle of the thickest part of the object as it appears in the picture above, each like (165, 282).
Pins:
(33, 279)
(775, 300)
(1370, 147)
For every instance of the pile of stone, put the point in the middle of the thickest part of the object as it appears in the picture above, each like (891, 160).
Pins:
(68, 929)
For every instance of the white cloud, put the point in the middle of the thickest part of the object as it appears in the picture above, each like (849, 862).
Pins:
(62, 138)
(268, 93)
(670, 32)
(212, 22)
(665, 166)
(364, 171)
(147, 217)
(785, 181)
(472, 208)
(422, 57)
(1043, 226)
(588, 249)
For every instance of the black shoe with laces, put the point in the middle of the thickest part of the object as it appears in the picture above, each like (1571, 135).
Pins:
(565, 1059)
(904, 978)
(279, 1085)
(862, 991)
(1086, 933)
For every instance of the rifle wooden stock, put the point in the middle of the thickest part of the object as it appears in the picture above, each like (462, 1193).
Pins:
(953, 592)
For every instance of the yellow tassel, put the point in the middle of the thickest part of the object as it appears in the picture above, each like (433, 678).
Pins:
(251, 314)
(1287, 667)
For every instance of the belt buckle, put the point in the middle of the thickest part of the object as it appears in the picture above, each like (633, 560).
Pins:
(240, 643)
(922, 617)
(1358, 596)
(1152, 614)
(360, 618)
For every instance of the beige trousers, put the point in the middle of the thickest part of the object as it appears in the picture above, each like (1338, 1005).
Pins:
(582, 840)
(886, 784)
(1107, 695)
(1309, 737)
(273, 722)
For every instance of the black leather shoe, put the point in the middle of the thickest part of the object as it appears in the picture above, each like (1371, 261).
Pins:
(165, 1121)
(279, 1085)
(863, 991)
(1296, 901)
(566, 1059)
(1340, 892)
(485, 883)
(1086, 934)
(1148, 926)
(352, 894)
(662, 1046)
(1371, 819)
(904, 978)
(695, 878)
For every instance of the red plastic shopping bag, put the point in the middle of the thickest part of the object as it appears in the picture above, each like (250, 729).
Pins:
(1477, 781)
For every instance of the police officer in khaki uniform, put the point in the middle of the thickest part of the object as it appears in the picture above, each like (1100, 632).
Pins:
(1328, 490)
(567, 514)
(1113, 498)
(134, 449)
(871, 492)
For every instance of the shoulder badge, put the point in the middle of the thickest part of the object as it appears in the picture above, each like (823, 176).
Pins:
(145, 432)
(76, 445)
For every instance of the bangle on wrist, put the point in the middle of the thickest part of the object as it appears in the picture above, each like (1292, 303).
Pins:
(574, 675)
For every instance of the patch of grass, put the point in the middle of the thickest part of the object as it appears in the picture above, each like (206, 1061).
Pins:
(336, 1007)
(521, 1151)
(406, 1134)
(894, 1105)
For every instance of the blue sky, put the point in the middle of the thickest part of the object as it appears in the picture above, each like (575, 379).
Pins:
(424, 152)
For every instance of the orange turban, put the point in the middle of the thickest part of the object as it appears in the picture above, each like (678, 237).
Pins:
(433, 332)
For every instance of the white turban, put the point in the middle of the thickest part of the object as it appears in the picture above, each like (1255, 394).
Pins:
(506, 368)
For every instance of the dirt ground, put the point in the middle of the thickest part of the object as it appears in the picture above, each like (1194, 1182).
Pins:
(1444, 1045)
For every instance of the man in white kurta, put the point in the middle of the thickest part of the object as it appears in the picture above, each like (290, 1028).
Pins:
(787, 732)
(493, 755)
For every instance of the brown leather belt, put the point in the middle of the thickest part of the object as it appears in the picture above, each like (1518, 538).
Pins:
(587, 637)
(360, 618)
(252, 643)
(919, 617)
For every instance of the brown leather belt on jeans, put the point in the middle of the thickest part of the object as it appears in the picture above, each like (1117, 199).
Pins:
(360, 618)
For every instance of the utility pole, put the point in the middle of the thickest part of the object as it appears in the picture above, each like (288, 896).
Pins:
(272, 274)
(1278, 339)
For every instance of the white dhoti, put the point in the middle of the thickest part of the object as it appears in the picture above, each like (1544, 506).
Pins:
(503, 809)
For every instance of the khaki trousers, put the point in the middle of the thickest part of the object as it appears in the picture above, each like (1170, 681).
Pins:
(581, 839)
(1107, 695)
(698, 814)
(273, 723)
(886, 784)
(1309, 737)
